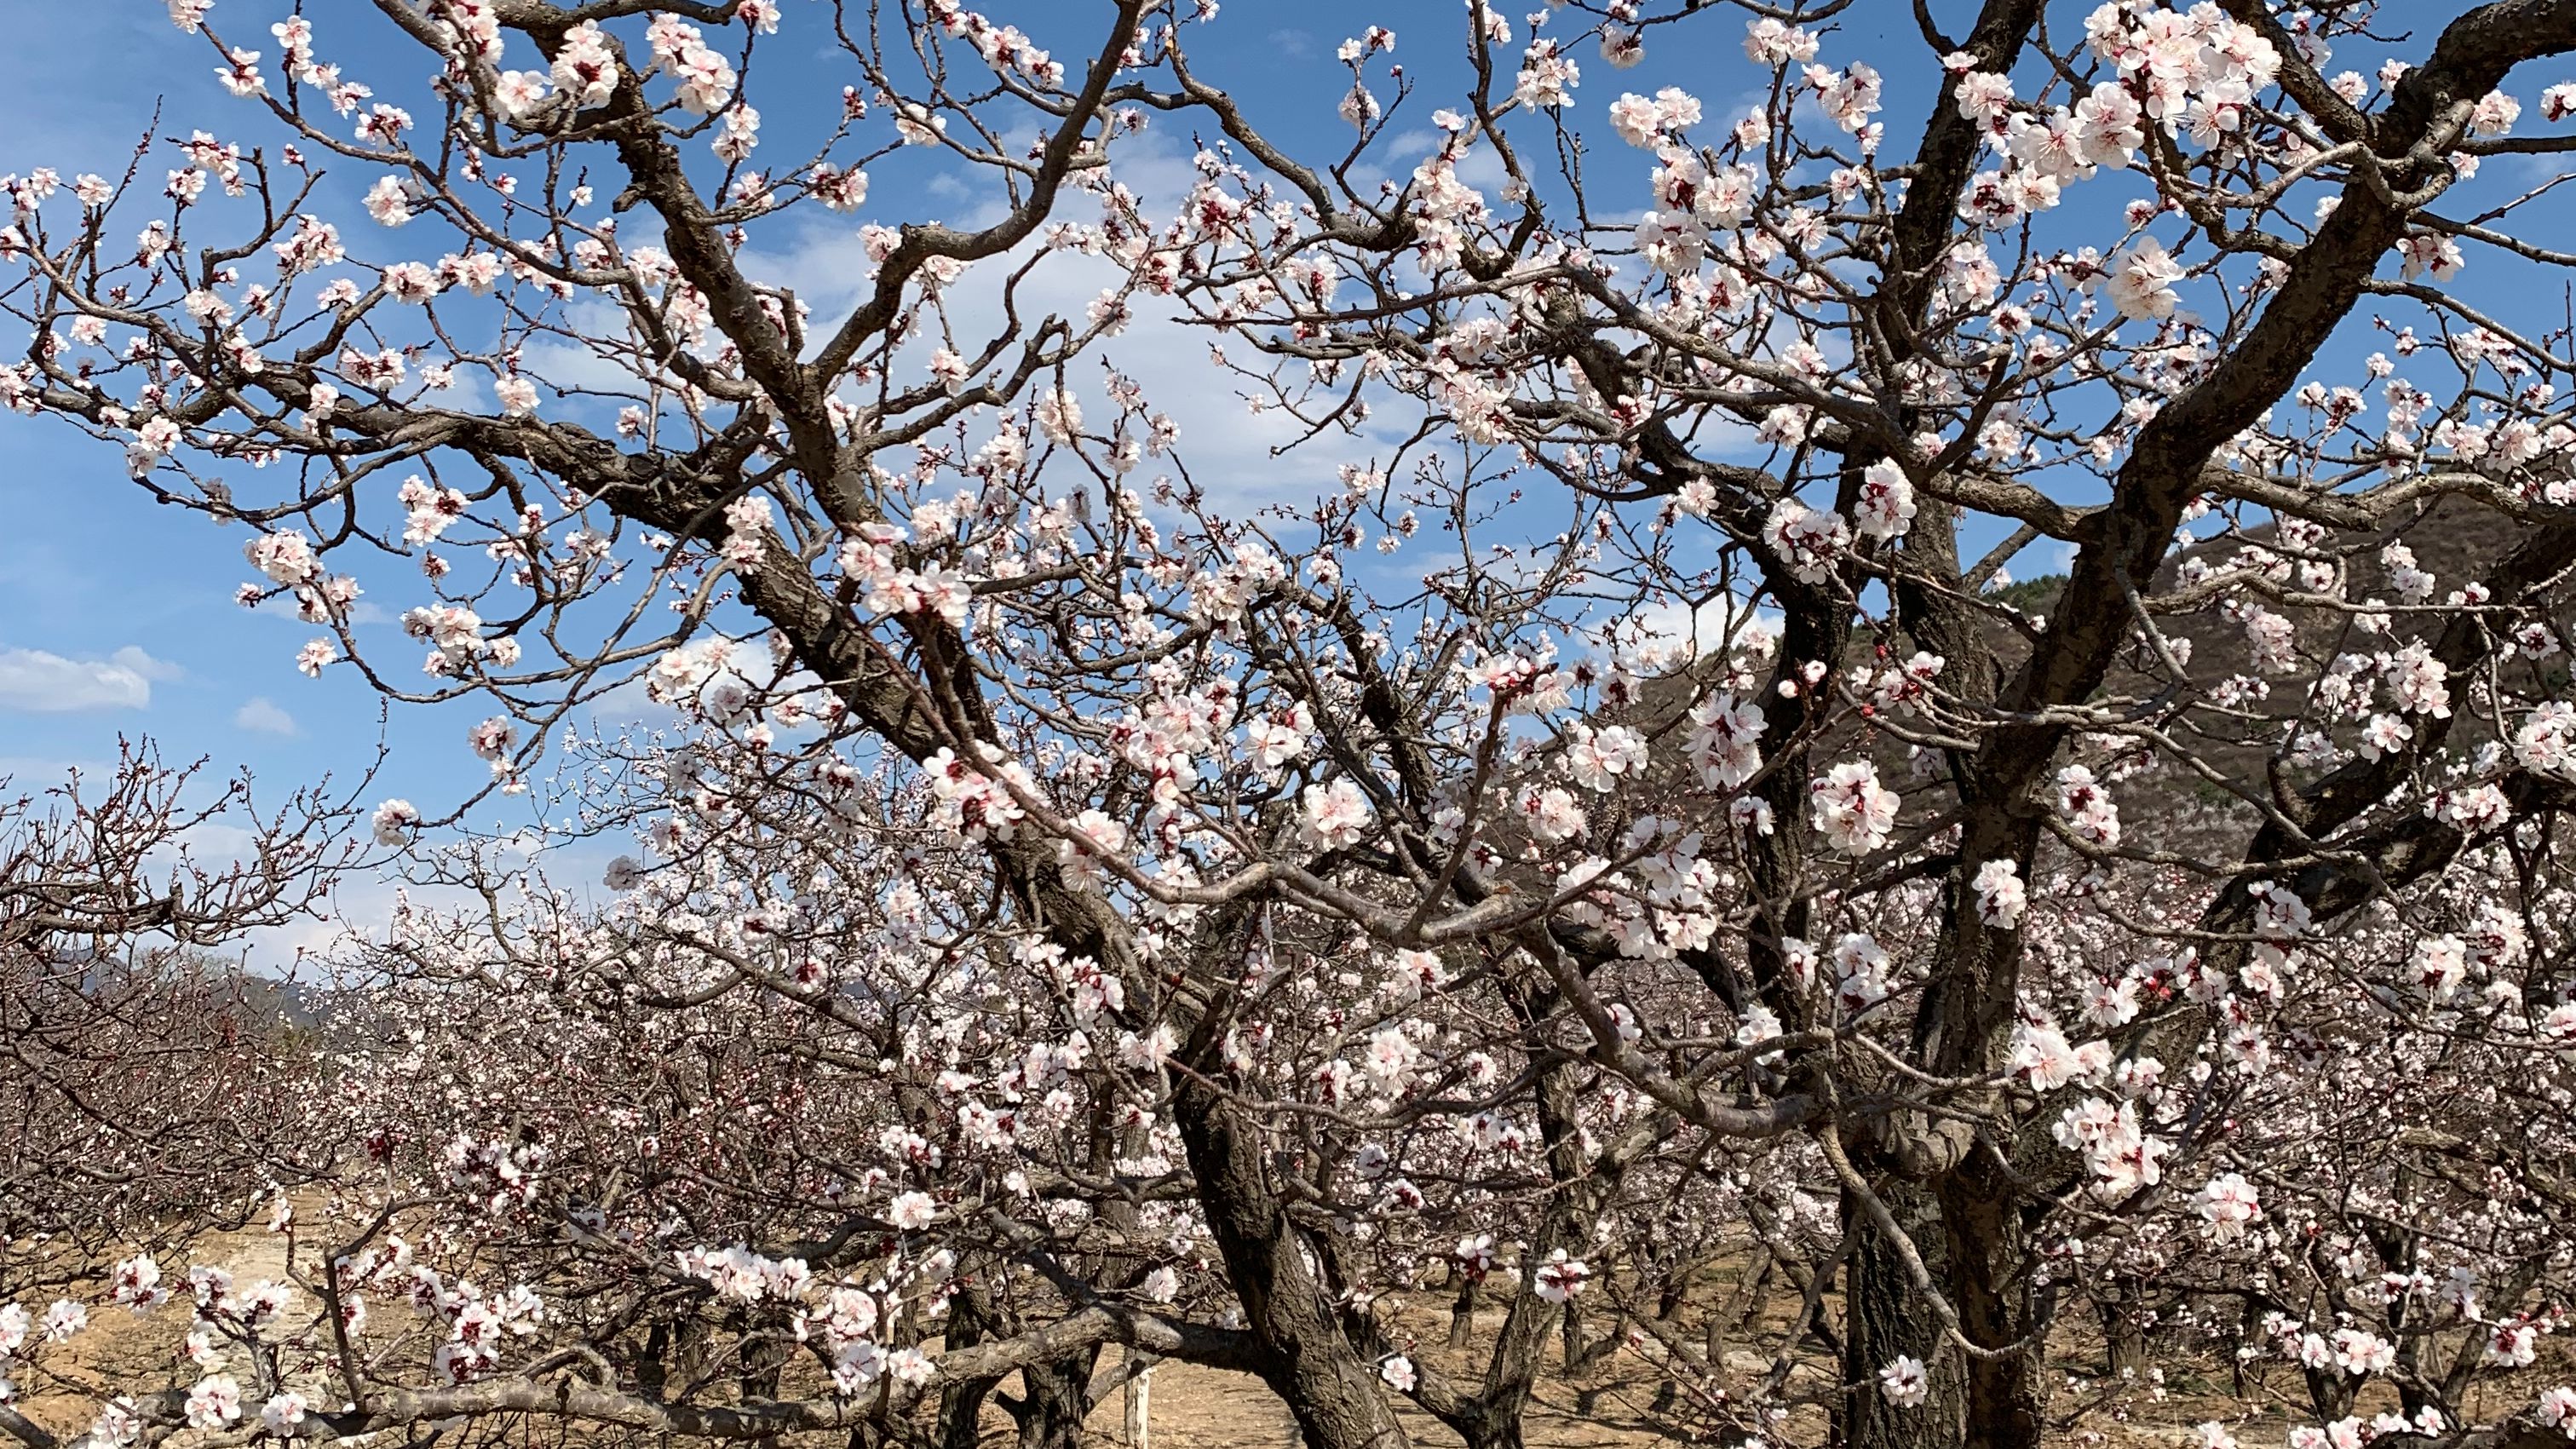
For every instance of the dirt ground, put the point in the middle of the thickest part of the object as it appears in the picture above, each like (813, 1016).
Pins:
(1608, 1407)
(1198, 1408)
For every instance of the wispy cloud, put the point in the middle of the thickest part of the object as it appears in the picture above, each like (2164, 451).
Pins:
(261, 716)
(38, 681)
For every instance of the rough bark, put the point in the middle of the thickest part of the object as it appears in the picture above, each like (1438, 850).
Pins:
(961, 1401)
(1886, 1317)
(1304, 1356)
(1054, 1400)
(1989, 1268)
(1462, 1314)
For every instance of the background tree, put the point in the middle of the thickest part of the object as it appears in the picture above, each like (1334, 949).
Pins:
(149, 1090)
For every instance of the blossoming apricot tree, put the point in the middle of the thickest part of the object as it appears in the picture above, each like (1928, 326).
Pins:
(1085, 902)
(144, 1089)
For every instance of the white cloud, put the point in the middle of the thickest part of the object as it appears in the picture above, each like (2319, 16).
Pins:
(38, 681)
(358, 909)
(260, 716)
(144, 664)
(1713, 627)
(1241, 458)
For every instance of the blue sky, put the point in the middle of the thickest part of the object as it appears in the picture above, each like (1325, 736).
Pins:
(116, 616)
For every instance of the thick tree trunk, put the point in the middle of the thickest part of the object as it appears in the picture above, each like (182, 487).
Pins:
(1304, 1355)
(961, 1404)
(1886, 1318)
(1054, 1401)
(1990, 1274)
(2124, 1329)
(1462, 1314)
(961, 1408)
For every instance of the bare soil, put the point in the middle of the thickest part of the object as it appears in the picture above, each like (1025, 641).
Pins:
(1608, 1406)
